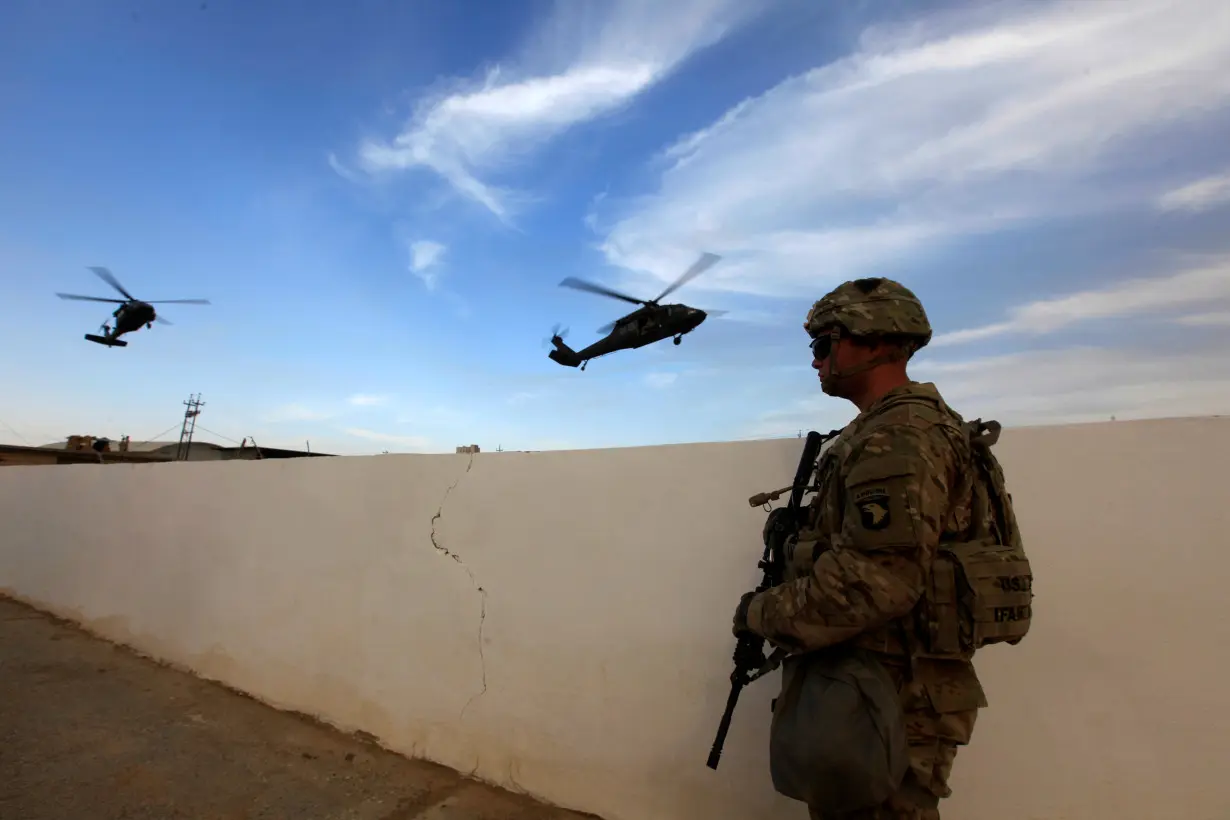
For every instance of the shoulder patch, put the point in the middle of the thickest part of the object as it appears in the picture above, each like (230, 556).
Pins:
(873, 507)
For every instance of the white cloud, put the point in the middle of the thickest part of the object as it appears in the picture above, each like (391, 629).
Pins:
(587, 60)
(1084, 384)
(341, 170)
(1201, 195)
(413, 442)
(295, 412)
(1063, 386)
(523, 396)
(425, 256)
(661, 380)
(366, 400)
(1220, 318)
(1196, 287)
(960, 123)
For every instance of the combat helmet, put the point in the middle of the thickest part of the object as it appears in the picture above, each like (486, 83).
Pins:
(871, 307)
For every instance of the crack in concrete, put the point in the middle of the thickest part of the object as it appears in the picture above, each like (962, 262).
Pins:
(482, 617)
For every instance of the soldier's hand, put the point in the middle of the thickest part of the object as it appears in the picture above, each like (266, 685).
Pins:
(749, 652)
(777, 517)
(740, 619)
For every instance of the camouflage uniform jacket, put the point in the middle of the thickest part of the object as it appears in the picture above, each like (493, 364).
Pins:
(892, 485)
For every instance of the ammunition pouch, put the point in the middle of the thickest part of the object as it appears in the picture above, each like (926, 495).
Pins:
(980, 594)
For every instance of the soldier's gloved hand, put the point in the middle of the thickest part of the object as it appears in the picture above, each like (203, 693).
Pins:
(740, 619)
(749, 652)
(775, 515)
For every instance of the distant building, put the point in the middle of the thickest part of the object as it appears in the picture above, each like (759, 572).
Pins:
(468, 448)
(13, 455)
(100, 450)
(208, 451)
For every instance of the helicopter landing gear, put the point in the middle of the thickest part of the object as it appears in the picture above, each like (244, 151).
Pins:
(679, 338)
(584, 363)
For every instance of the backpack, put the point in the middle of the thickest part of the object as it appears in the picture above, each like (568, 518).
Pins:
(981, 589)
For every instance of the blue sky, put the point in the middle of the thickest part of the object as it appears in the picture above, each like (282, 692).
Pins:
(381, 198)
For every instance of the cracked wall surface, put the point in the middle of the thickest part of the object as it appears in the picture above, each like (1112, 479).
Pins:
(600, 677)
(482, 593)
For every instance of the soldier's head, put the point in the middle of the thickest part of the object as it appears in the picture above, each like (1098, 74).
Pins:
(863, 332)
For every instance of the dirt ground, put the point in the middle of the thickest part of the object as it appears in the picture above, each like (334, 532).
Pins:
(91, 730)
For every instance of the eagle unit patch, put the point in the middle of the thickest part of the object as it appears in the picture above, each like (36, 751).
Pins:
(873, 508)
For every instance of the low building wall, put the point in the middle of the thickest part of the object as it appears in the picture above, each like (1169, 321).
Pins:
(559, 622)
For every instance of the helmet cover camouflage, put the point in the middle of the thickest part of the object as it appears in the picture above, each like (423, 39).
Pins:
(866, 307)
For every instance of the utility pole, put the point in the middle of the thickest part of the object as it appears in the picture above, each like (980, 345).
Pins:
(194, 405)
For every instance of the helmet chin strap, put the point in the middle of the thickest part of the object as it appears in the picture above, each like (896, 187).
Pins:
(835, 375)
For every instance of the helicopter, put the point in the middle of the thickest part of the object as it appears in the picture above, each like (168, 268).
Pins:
(131, 313)
(649, 323)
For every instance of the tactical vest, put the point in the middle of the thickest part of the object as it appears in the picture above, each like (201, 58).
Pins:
(979, 591)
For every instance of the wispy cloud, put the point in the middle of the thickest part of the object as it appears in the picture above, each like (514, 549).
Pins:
(413, 442)
(660, 380)
(523, 396)
(1196, 287)
(955, 124)
(1201, 195)
(1063, 386)
(1217, 318)
(295, 412)
(587, 60)
(1085, 384)
(366, 400)
(425, 256)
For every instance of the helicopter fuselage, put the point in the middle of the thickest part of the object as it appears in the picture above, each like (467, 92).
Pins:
(649, 323)
(642, 327)
(132, 316)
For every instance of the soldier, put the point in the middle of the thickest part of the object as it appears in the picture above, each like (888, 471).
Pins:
(900, 480)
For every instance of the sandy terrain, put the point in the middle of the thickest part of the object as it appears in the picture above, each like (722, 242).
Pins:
(91, 730)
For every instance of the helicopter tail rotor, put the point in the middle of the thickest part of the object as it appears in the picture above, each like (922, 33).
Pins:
(556, 333)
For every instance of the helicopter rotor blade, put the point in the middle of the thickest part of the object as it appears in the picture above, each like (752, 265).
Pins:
(105, 275)
(178, 302)
(706, 261)
(607, 328)
(89, 298)
(581, 284)
(163, 321)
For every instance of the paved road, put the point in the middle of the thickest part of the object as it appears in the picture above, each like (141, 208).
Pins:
(91, 730)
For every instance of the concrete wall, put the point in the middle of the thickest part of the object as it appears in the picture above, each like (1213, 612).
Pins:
(559, 622)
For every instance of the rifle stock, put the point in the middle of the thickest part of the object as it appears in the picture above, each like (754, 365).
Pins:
(783, 523)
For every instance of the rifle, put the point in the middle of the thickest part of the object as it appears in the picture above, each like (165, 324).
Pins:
(783, 523)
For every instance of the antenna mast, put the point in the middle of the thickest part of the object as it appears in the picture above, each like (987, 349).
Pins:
(194, 405)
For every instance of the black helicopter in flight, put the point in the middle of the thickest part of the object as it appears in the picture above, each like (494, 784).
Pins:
(649, 323)
(131, 314)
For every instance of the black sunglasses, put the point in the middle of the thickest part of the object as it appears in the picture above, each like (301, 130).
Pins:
(822, 346)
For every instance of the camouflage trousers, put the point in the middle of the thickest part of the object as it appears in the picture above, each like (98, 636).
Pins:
(934, 739)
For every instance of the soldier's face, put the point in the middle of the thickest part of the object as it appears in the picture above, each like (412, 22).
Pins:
(839, 356)
(825, 352)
